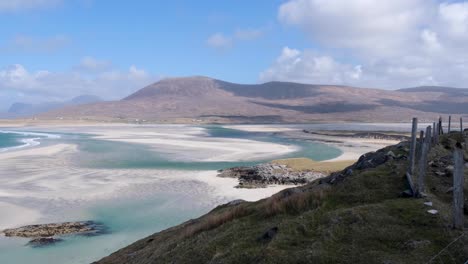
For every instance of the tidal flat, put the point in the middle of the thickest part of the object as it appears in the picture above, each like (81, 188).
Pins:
(138, 179)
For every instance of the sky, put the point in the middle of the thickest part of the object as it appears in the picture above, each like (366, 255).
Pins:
(54, 50)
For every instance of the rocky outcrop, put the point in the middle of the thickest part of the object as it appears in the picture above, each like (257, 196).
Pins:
(365, 135)
(370, 160)
(45, 234)
(262, 175)
(43, 241)
(54, 229)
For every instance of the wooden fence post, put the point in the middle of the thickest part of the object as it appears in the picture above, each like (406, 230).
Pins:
(423, 162)
(441, 130)
(433, 132)
(412, 153)
(461, 125)
(421, 141)
(449, 124)
(436, 135)
(458, 179)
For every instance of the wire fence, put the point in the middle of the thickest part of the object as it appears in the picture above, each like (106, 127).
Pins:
(456, 252)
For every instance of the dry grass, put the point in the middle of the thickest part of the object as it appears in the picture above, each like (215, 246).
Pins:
(305, 164)
(213, 221)
(294, 203)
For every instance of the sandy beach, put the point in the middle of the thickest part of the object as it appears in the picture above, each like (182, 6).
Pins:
(49, 186)
(52, 181)
(351, 148)
(47, 182)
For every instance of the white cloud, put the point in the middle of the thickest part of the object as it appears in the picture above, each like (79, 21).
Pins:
(91, 64)
(16, 5)
(394, 43)
(455, 17)
(219, 41)
(224, 41)
(307, 66)
(46, 85)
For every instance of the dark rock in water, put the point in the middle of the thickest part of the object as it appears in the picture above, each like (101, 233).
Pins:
(44, 241)
(265, 174)
(358, 134)
(98, 229)
(54, 229)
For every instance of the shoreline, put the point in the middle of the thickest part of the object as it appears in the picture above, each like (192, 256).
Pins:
(52, 169)
(47, 185)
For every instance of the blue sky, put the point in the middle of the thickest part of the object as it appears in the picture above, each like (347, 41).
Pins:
(164, 38)
(53, 50)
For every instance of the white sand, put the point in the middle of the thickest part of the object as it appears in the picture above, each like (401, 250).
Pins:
(191, 143)
(49, 187)
(15, 216)
(351, 148)
(46, 185)
(260, 128)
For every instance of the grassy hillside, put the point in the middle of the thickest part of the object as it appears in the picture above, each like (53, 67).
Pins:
(357, 215)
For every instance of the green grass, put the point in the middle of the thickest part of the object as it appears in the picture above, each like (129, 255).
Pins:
(360, 218)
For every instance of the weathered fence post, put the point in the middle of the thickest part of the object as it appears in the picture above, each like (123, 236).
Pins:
(421, 141)
(413, 146)
(423, 162)
(433, 132)
(412, 152)
(449, 124)
(461, 125)
(458, 179)
(441, 130)
(436, 135)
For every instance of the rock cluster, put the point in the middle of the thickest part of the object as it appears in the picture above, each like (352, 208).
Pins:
(366, 135)
(44, 234)
(43, 241)
(261, 175)
(368, 161)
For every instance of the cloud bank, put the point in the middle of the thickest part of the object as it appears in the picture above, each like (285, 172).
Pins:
(390, 44)
(222, 41)
(90, 76)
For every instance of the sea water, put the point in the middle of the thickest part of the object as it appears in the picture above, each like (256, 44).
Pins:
(128, 218)
(10, 140)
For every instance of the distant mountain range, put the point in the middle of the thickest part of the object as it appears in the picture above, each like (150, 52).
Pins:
(202, 99)
(24, 109)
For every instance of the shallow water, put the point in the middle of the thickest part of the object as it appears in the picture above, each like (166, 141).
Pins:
(144, 208)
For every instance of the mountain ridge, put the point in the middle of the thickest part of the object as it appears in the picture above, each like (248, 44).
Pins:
(206, 100)
(19, 109)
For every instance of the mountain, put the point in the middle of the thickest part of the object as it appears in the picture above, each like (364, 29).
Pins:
(23, 109)
(358, 215)
(209, 100)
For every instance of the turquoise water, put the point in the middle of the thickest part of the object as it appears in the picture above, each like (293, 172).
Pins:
(8, 140)
(107, 154)
(127, 221)
(131, 219)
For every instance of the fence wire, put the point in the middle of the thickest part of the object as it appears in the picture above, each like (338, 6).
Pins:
(456, 252)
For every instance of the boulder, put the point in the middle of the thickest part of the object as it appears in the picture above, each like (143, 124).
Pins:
(44, 241)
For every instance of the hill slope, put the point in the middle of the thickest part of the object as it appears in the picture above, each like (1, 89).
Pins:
(354, 216)
(211, 100)
(23, 109)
